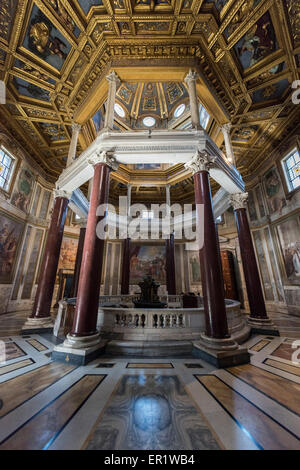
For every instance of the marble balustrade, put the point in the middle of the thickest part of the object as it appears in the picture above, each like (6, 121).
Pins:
(157, 320)
(133, 324)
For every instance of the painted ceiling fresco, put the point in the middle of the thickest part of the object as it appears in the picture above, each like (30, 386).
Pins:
(53, 52)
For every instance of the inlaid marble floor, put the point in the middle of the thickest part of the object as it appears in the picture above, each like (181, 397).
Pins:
(151, 412)
(120, 403)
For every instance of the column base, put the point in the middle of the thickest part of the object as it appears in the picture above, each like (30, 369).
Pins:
(262, 326)
(220, 352)
(37, 325)
(79, 350)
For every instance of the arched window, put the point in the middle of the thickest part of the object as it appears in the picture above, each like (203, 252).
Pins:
(149, 121)
(179, 110)
(7, 163)
(119, 110)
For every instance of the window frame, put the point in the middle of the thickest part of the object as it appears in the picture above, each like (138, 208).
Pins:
(290, 153)
(10, 181)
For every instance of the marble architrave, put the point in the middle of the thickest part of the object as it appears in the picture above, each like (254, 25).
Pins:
(155, 147)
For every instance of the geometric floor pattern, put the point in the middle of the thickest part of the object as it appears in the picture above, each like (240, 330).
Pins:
(177, 404)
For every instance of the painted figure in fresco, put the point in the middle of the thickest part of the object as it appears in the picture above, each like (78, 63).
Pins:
(134, 261)
(220, 4)
(260, 40)
(21, 197)
(241, 15)
(152, 3)
(296, 259)
(67, 255)
(44, 42)
(119, 3)
(195, 269)
(3, 235)
(8, 246)
(273, 186)
(33, 90)
(63, 14)
(288, 261)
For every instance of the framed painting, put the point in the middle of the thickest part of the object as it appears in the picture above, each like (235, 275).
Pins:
(68, 253)
(194, 267)
(288, 235)
(274, 191)
(23, 190)
(147, 259)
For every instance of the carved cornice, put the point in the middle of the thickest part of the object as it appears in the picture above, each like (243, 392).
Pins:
(104, 157)
(200, 162)
(239, 201)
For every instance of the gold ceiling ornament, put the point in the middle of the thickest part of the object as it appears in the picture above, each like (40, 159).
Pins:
(40, 33)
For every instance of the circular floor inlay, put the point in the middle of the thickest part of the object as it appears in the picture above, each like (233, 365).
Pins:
(152, 413)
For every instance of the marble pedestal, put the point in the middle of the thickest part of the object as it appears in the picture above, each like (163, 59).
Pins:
(79, 350)
(220, 352)
(37, 326)
(262, 326)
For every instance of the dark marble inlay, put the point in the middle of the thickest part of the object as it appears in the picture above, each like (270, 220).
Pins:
(194, 366)
(105, 364)
(151, 412)
(12, 351)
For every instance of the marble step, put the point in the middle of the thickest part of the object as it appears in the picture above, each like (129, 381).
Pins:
(149, 348)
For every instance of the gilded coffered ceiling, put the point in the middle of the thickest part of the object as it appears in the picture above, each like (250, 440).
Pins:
(55, 54)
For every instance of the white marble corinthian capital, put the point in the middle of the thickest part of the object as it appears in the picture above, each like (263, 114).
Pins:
(239, 200)
(201, 161)
(104, 157)
(226, 128)
(75, 127)
(191, 77)
(61, 193)
(113, 78)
